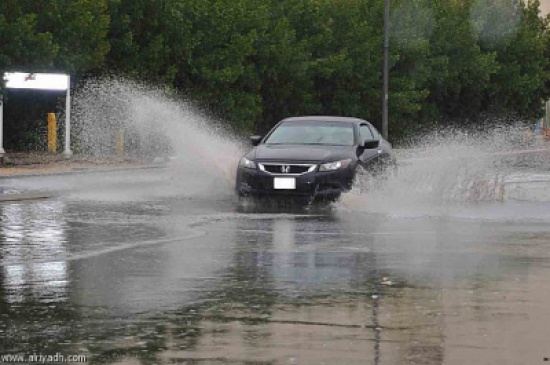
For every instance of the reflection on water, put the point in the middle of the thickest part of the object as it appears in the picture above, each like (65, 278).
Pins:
(33, 251)
(326, 291)
(35, 309)
(44, 281)
(290, 297)
(45, 290)
(260, 288)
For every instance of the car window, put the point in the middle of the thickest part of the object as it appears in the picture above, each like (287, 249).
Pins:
(375, 132)
(312, 133)
(366, 133)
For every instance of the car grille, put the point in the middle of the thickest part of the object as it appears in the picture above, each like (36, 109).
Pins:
(286, 169)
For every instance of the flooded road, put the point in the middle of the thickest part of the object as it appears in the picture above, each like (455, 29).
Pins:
(132, 268)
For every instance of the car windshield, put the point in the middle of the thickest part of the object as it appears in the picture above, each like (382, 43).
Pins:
(313, 134)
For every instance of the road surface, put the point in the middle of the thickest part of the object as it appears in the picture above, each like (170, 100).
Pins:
(155, 267)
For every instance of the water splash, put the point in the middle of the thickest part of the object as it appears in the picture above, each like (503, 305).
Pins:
(156, 124)
(470, 174)
(462, 173)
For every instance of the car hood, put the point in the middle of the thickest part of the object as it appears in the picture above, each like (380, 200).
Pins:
(302, 153)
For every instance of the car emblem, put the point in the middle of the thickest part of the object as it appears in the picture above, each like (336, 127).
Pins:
(285, 169)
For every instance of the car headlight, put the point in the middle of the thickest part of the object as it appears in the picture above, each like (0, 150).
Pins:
(246, 163)
(336, 165)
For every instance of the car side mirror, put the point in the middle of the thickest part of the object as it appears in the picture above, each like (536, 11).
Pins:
(255, 140)
(371, 143)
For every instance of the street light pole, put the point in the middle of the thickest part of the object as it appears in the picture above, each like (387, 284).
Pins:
(386, 68)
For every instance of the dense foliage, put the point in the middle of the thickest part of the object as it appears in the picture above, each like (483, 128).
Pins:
(252, 62)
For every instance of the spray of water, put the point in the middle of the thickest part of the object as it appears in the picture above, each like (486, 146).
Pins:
(444, 172)
(441, 171)
(155, 125)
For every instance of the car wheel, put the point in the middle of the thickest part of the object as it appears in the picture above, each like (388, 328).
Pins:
(325, 202)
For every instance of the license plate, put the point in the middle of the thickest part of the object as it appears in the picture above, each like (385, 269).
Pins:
(284, 183)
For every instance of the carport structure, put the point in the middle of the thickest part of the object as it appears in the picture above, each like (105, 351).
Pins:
(39, 81)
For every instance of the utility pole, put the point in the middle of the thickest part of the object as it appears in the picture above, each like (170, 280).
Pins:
(386, 68)
(2, 152)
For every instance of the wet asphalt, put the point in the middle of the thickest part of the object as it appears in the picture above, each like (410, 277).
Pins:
(151, 267)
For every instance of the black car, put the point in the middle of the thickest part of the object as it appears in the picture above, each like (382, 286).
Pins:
(312, 157)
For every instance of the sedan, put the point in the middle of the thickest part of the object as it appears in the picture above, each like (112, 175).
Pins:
(311, 158)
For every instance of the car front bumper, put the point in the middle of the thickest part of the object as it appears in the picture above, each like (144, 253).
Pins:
(316, 184)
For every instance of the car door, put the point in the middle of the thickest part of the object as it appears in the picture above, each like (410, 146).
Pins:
(368, 155)
(385, 146)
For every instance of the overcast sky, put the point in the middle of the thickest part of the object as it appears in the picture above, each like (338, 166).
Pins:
(545, 6)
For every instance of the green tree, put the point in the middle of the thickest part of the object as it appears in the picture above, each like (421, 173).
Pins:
(139, 36)
(521, 84)
(23, 45)
(79, 29)
(216, 63)
(282, 61)
(460, 69)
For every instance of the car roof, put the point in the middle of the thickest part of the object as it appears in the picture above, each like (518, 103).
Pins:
(324, 118)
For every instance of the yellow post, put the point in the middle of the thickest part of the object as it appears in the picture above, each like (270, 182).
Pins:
(120, 142)
(52, 133)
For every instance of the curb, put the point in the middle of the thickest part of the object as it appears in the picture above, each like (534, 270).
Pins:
(24, 196)
(82, 171)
